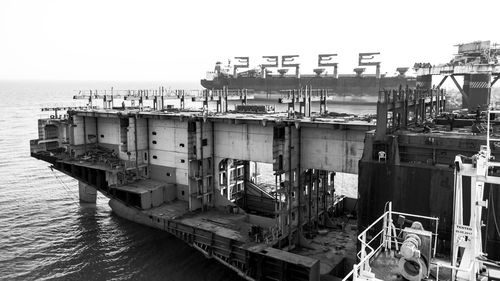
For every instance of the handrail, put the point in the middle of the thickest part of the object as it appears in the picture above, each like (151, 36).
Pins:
(469, 270)
(367, 251)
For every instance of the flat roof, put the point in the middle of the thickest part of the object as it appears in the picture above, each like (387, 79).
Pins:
(277, 117)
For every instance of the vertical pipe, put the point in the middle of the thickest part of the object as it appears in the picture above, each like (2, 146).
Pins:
(325, 175)
(389, 225)
(326, 100)
(96, 130)
(333, 189)
(309, 103)
(135, 146)
(290, 186)
(202, 167)
(147, 139)
(213, 161)
(84, 134)
(225, 99)
(299, 180)
(317, 197)
(457, 181)
(205, 99)
(276, 207)
(310, 198)
(228, 180)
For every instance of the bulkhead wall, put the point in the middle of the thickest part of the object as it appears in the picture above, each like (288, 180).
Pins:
(332, 149)
(247, 141)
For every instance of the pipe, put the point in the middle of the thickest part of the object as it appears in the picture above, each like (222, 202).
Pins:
(290, 186)
(84, 134)
(96, 130)
(325, 174)
(299, 172)
(135, 145)
(317, 197)
(147, 139)
(202, 167)
(213, 159)
(310, 197)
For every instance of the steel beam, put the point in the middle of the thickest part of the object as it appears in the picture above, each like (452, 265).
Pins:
(442, 81)
(464, 95)
(494, 81)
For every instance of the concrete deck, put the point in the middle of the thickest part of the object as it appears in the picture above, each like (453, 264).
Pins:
(170, 211)
(227, 225)
(231, 226)
(331, 248)
(141, 186)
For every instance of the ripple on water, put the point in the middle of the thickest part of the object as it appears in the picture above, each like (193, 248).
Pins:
(46, 234)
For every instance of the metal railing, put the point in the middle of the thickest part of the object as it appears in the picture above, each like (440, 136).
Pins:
(387, 235)
(469, 270)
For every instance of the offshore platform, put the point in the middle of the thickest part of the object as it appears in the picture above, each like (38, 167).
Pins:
(254, 188)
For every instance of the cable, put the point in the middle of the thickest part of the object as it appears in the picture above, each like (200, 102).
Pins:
(494, 215)
(66, 188)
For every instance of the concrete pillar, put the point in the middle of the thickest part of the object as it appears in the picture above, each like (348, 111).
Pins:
(88, 194)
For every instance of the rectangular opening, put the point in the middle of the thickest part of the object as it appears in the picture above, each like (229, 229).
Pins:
(155, 157)
(204, 142)
(154, 142)
(182, 160)
(181, 145)
(154, 133)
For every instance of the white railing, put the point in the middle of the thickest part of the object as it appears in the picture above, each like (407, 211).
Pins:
(469, 270)
(387, 235)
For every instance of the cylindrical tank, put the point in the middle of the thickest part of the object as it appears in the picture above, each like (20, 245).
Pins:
(478, 88)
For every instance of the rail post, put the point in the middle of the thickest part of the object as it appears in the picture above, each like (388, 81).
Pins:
(363, 250)
(389, 226)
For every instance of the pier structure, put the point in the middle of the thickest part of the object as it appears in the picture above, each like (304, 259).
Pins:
(199, 175)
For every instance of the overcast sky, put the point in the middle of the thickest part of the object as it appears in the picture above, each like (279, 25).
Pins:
(180, 40)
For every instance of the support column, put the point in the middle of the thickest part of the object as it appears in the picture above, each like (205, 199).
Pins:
(381, 115)
(478, 88)
(424, 81)
(88, 194)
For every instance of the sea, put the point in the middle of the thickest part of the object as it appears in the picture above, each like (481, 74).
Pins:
(47, 234)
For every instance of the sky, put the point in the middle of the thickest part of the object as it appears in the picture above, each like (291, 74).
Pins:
(181, 40)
